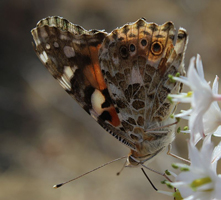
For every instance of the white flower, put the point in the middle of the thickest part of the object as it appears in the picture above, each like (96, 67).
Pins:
(181, 97)
(201, 97)
(212, 118)
(200, 181)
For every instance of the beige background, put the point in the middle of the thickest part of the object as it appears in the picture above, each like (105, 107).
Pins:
(45, 137)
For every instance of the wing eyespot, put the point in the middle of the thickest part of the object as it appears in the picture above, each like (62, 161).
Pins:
(156, 48)
(132, 48)
(124, 52)
(143, 42)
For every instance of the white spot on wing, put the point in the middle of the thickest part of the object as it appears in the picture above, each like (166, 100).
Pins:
(37, 41)
(56, 45)
(77, 41)
(44, 57)
(68, 72)
(97, 99)
(47, 46)
(115, 60)
(43, 33)
(69, 51)
(64, 37)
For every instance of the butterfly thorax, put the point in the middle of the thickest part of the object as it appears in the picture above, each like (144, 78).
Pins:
(150, 143)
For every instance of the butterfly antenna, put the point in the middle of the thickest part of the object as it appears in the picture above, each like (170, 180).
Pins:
(61, 184)
(118, 173)
(151, 183)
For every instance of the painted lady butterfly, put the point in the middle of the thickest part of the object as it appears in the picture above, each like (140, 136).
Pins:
(120, 79)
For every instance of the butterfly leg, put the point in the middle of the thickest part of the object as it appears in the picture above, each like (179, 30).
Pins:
(175, 156)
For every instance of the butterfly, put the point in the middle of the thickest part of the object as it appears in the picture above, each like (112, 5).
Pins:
(119, 78)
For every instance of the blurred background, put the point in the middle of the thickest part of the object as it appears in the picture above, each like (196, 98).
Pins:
(45, 137)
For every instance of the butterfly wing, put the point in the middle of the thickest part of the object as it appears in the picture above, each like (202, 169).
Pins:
(136, 60)
(70, 53)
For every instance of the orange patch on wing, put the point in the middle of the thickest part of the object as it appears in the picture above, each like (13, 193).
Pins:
(96, 67)
(93, 71)
(115, 119)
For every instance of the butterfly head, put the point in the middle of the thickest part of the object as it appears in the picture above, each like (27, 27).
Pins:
(133, 160)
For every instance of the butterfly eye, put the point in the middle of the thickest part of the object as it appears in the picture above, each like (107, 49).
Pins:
(132, 48)
(124, 52)
(132, 161)
(156, 48)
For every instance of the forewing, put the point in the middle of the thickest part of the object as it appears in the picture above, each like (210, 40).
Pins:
(70, 53)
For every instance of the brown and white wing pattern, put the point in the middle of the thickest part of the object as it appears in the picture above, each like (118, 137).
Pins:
(120, 79)
(70, 53)
(136, 60)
